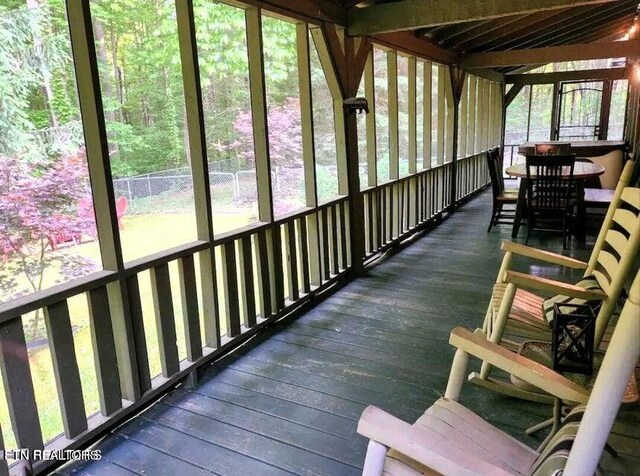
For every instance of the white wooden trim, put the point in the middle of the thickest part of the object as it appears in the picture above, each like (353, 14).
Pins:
(441, 141)
(392, 91)
(473, 117)
(369, 92)
(306, 114)
(426, 113)
(412, 112)
(259, 113)
(464, 119)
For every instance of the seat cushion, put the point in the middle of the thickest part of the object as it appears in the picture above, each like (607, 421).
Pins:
(541, 352)
(598, 197)
(508, 197)
(588, 282)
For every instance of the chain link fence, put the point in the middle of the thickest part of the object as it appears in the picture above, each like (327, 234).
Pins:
(171, 190)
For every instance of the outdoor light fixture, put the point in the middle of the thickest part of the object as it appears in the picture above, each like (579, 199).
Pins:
(572, 338)
(358, 105)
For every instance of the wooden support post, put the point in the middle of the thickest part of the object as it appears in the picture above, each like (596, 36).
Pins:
(199, 169)
(450, 117)
(306, 115)
(456, 76)
(605, 108)
(97, 151)
(369, 92)
(253, 18)
(344, 59)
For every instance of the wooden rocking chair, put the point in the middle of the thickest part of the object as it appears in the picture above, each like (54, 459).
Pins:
(451, 440)
(528, 316)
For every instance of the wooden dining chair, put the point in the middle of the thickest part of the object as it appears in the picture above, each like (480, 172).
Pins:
(550, 194)
(501, 196)
(557, 148)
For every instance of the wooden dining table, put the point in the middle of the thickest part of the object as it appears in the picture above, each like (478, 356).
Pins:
(582, 171)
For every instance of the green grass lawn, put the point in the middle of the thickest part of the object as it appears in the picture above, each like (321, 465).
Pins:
(141, 235)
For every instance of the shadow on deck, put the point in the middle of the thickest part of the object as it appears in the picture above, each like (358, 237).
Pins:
(289, 401)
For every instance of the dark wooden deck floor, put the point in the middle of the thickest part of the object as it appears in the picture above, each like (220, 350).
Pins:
(289, 403)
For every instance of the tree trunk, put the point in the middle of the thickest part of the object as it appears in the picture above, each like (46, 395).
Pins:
(47, 90)
(116, 73)
(101, 52)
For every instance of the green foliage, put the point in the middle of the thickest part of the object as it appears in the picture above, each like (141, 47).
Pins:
(34, 51)
(65, 109)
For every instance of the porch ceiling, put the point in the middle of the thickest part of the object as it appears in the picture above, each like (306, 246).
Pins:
(498, 25)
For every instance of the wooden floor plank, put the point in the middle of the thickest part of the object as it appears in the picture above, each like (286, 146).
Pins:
(340, 398)
(251, 377)
(191, 447)
(140, 459)
(290, 433)
(241, 440)
(391, 380)
(94, 468)
(290, 411)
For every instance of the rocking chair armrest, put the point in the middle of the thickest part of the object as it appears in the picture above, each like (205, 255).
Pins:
(421, 444)
(557, 287)
(532, 372)
(543, 255)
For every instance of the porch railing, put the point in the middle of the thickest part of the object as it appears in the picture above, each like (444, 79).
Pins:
(262, 272)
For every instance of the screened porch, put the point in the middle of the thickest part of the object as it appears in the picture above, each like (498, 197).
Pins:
(228, 227)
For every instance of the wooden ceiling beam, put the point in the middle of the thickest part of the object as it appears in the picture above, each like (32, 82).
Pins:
(523, 24)
(492, 28)
(553, 54)
(457, 30)
(550, 78)
(587, 34)
(313, 11)
(422, 47)
(414, 14)
(524, 27)
(490, 74)
(487, 26)
(612, 32)
(573, 31)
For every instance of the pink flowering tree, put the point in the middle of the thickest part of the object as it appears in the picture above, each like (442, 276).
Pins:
(39, 208)
(285, 134)
(285, 150)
